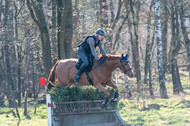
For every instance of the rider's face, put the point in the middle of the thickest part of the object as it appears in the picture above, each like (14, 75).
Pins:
(100, 37)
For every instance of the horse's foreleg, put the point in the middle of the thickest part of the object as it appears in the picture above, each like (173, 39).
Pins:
(101, 88)
(111, 84)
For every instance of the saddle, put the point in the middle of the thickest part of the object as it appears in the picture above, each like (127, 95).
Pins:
(89, 67)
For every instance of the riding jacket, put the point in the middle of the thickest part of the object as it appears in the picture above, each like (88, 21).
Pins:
(89, 46)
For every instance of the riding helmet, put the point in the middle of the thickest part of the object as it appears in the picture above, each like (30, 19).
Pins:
(100, 32)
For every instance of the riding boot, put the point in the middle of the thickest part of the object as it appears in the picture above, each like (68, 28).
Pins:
(77, 75)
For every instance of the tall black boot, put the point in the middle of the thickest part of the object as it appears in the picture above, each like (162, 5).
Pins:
(77, 75)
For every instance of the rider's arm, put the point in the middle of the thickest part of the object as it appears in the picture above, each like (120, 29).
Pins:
(101, 49)
(91, 43)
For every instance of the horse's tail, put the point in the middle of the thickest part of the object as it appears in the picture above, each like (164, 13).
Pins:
(51, 78)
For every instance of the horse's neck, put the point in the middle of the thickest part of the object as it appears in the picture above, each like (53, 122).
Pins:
(113, 63)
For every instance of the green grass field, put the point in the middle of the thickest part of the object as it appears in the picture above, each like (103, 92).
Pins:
(38, 119)
(174, 111)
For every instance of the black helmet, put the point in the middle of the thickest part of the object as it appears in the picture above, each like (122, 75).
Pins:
(100, 32)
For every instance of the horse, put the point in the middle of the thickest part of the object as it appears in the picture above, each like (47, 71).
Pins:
(64, 70)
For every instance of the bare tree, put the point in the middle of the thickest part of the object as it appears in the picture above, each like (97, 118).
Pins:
(165, 32)
(176, 45)
(135, 46)
(184, 31)
(163, 91)
(148, 46)
(66, 30)
(38, 16)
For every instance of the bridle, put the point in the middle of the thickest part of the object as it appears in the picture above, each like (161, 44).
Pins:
(125, 70)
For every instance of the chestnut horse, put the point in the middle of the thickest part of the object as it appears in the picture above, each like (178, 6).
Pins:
(64, 70)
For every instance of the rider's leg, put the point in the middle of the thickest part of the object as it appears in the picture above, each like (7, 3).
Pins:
(85, 64)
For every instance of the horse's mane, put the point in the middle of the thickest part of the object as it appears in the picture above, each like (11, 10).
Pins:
(109, 57)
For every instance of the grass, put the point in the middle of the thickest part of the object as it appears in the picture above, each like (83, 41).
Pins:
(38, 119)
(174, 111)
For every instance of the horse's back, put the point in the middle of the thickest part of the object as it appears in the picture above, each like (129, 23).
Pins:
(66, 69)
(66, 64)
(68, 61)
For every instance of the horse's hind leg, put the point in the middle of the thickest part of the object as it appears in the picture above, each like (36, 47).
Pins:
(101, 88)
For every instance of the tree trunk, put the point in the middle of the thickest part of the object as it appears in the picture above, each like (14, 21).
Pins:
(150, 65)
(148, 47)
(19, 52)
(129, 95)
(59, 12)
(53, 29)
(110, 43)
(7, 38)
(164, 33)
(117, 36)
(176, 44)
(112, 11)
(184, 31)
(131, 40)
(135, 48)
(66, 30)
(177, 87)
(150, 81)
(19, 49)
(42, 24)
(25, 103)
(103, 13)
(163, 91)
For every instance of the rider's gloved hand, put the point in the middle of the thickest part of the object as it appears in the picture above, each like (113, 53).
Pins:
(100, 61)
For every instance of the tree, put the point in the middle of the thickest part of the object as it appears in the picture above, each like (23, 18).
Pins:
(103, 13)
(164, 33)
(176, 45)
(184, 31)
(8, 38)
(19, 50)
(135, 46)
(163, 91)
(38, 17)
(66, 30)
(149, 44)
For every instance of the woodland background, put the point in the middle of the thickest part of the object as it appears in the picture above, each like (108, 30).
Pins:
(34, 34)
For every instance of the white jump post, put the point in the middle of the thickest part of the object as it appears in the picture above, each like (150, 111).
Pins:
(49, 102)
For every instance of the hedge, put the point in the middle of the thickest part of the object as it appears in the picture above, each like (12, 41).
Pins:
(78, 93)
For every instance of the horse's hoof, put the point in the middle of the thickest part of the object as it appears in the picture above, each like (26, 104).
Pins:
(103, 105)
(112, 101)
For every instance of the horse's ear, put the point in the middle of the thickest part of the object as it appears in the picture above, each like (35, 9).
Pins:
(126, 56)
(122, 55)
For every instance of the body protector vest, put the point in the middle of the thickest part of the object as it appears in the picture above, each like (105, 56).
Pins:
(85, 46)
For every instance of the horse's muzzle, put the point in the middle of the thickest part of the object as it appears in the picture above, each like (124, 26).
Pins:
(131, 75)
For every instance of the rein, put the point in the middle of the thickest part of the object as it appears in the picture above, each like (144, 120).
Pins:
(99, 63)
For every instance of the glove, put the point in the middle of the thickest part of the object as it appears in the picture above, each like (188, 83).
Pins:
(100, 61)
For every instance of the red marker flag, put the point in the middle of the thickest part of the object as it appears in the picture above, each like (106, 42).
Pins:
(42, 81)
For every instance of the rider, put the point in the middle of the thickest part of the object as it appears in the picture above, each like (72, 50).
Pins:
(89, 46)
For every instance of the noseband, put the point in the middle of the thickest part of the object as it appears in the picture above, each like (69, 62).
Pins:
(125, 71)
